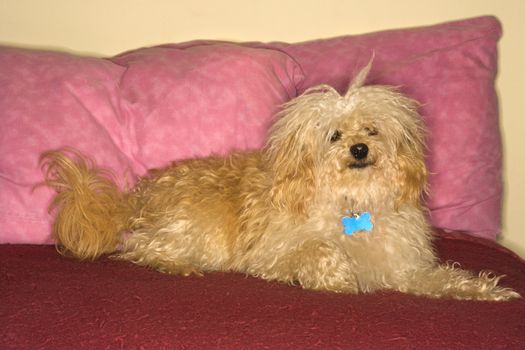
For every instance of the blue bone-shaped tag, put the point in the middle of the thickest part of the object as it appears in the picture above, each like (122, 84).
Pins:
(357, 223)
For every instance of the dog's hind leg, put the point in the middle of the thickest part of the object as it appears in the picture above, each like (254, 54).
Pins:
(450, 281)
(163, 252)
(162, 263)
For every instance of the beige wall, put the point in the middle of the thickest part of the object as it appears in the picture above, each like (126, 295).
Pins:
(107, 27)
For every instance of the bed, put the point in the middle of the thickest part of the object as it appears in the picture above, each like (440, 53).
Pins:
(54, 303)
(144, 107)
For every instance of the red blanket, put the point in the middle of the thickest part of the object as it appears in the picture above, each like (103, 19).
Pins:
(49, 302)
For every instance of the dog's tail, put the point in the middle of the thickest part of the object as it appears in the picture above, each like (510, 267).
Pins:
(91, 211)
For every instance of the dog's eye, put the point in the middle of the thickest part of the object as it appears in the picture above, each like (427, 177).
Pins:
(336, 136)
(371, 131)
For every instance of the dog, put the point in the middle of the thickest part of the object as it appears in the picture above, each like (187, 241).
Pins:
(332, 202)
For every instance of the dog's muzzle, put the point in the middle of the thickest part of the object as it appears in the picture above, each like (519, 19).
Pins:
(359, 152)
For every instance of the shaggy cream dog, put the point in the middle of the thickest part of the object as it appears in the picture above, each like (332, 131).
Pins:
(331, 203)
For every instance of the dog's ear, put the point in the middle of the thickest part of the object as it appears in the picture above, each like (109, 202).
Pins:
(413, 177)
(410, 157)
(290, 161)
(295, 148)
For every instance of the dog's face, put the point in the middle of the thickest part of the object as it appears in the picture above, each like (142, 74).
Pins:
(362, 151)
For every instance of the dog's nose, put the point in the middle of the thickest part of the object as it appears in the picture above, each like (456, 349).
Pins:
(359, 151)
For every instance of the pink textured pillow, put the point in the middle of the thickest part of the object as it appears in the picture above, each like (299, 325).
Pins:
(131, 113)
(50, 100)
(186, 102)
(143, 108)
(450, 68)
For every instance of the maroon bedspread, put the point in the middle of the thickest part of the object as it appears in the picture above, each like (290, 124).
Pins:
(49, 302)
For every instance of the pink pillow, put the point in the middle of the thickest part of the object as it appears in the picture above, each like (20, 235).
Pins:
(131, 113)
(217, 97)
(144, 108)
(450, 68)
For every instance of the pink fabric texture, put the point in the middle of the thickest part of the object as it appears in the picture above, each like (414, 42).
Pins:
(146, 107)
(450, 69)
(138, 112)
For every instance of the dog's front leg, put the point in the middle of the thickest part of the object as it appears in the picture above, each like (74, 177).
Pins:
(448, 280)
(316, 265)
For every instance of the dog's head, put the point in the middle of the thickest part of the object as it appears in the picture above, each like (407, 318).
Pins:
(364, 148)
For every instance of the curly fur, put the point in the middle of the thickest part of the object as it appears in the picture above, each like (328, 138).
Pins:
(276, 213)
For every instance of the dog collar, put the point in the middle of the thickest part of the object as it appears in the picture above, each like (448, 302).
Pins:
(357, 222)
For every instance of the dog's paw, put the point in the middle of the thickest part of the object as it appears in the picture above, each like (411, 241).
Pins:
(181, 270)
(485, 287)
(497, 294)
(488, 288)
(449, 281)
